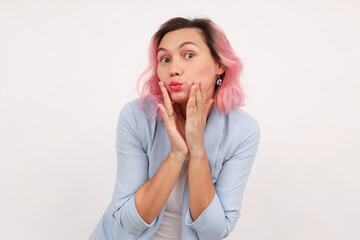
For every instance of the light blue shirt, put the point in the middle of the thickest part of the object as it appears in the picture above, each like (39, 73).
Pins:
(231, 143)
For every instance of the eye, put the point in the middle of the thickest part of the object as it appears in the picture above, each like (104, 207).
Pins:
(164, 59)
(189, 55)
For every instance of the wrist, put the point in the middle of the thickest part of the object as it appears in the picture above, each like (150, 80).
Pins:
(180, 155)
(197, 153)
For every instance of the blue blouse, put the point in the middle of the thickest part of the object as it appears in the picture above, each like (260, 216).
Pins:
(231, 143)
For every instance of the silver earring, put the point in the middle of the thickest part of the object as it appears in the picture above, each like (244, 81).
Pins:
(218, 81)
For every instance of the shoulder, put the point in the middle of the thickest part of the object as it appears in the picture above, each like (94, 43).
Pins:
(241, 133)
(137, 115)
(134, 121)
(134, 109)
(240, 129)
(240, 121)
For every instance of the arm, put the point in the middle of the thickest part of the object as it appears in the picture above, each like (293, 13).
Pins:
(214, 209)
(201, 187)
(137, 200)
(151, 197)
(218, 219)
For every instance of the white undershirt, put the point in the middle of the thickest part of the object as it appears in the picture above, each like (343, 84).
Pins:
(170, 226)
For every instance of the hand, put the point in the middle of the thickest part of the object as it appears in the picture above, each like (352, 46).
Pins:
(197, 110)
(174, 123)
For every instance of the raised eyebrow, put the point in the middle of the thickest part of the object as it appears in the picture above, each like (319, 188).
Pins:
(186, 43)
(181, 45)
(161, 49)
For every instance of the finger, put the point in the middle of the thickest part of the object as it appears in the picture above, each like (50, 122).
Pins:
(163, 112)
(203, 92)
(208, 106)
(190, 107)
(167, 100)
(199, 99)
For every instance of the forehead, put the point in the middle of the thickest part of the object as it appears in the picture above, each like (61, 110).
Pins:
(175, 38)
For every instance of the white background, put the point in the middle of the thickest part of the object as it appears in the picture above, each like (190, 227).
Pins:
(68, 67)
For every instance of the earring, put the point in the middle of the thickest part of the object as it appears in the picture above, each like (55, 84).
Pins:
(218, 81)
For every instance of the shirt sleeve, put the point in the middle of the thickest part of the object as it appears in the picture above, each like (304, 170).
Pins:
(132, 172)
(220, 216)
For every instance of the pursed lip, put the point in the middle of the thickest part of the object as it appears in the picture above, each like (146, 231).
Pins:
(175, 83)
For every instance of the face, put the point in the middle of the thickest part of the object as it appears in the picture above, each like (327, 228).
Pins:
(183, 58)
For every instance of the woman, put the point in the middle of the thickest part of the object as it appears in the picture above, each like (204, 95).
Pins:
(182, 174)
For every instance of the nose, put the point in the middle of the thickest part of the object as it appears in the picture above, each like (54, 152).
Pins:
(175, 68)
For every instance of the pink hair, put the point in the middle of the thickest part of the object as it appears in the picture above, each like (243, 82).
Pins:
(227, 96)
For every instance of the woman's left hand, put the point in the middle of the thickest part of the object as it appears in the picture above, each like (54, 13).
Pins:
(197, 110)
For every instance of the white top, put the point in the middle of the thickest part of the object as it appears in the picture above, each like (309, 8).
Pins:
(170, 226)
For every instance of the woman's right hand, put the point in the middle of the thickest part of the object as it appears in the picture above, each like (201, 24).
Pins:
(174, 124)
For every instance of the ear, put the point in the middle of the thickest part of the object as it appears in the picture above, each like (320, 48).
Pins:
(219, 70)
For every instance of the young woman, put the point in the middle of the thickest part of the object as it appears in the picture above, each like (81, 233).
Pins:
(184, 148)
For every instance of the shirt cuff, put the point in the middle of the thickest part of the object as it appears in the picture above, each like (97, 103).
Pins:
(130, 218)
(209, 218)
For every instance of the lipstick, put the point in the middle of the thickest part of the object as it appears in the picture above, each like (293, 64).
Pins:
(175, 86)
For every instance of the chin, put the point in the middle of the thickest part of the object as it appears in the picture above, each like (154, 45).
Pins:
(179, 98)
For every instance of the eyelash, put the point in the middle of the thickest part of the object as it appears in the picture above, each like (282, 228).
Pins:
(165, 59)
(192, 54)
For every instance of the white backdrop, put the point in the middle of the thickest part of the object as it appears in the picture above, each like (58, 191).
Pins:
(68, 67)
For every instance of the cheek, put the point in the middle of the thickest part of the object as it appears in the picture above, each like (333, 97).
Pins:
(160, 73)
(206, 74)
(205, 68)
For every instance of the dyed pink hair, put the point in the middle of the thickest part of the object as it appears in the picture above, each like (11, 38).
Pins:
(229, 95)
